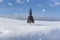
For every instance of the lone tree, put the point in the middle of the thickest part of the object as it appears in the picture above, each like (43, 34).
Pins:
(30, 17)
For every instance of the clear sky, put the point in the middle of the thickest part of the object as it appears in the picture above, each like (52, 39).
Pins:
(40, 7)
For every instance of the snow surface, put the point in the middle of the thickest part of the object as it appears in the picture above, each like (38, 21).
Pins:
(11, 29)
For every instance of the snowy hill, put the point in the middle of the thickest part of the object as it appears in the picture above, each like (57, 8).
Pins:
(11, 29)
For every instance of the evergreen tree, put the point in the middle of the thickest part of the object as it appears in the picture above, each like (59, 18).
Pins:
(30, 17)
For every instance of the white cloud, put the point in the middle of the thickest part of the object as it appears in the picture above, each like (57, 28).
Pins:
(10, 4)
(1, 0)
(40, 39)
(43, 10)
(19, 1)
(27, 0)
(55, 4)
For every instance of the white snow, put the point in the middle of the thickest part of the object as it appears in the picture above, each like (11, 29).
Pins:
(12, 27)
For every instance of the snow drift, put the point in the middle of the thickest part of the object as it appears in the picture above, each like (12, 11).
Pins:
(11, 29)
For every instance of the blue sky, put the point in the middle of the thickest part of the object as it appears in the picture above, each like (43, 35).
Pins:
(49, 8)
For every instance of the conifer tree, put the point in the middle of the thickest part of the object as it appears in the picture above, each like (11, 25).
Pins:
(30, 17)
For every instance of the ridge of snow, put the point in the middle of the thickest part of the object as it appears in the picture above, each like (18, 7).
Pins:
(12, 27)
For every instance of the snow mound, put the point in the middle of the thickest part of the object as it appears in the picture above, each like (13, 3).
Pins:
(12, 27)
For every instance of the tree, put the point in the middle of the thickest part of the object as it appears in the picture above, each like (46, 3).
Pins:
(30, 17)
